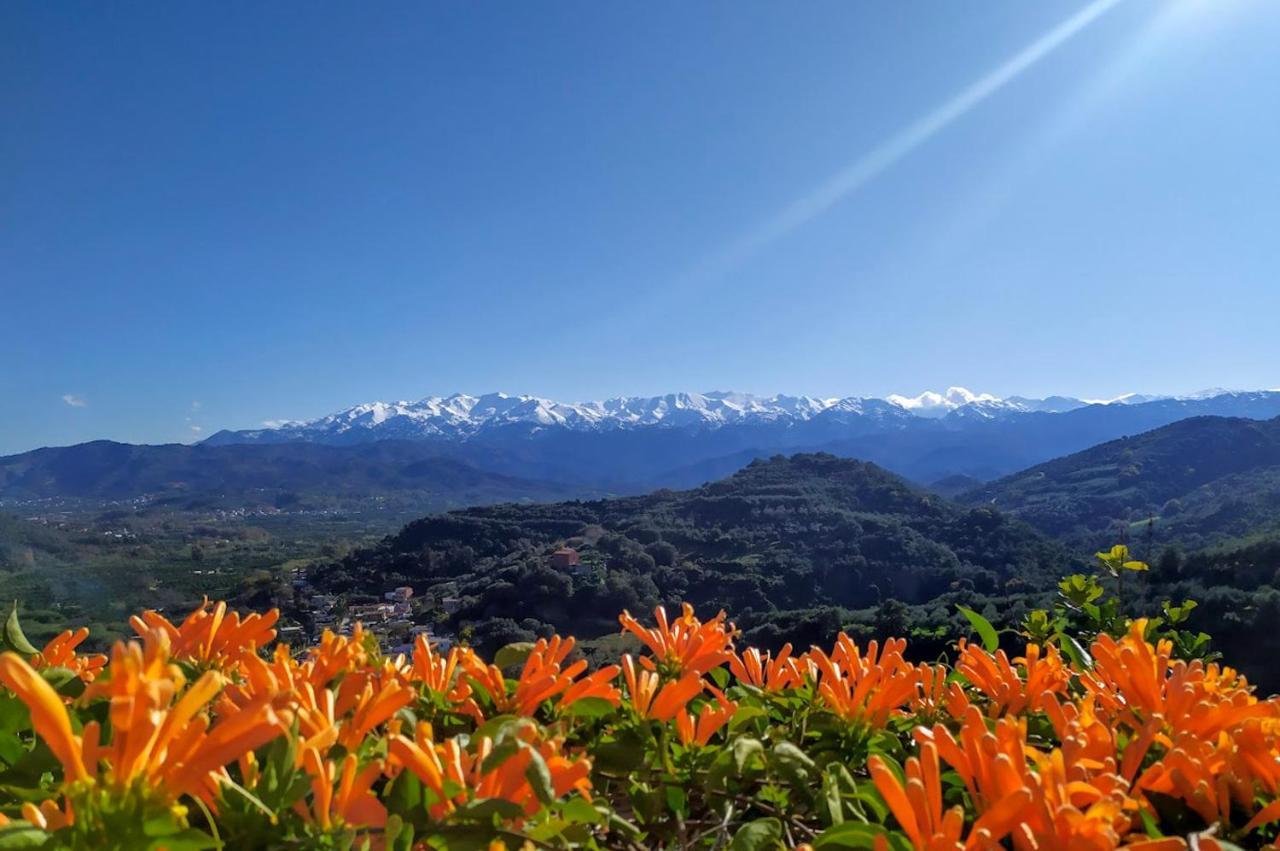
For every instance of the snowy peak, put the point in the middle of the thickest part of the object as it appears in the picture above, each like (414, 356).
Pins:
(461, 417)
(931, 404)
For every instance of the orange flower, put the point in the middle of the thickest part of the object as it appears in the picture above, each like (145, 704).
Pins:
(1085, 738)
(368, 708)
(337, 654)
(764, 671)
(439, 674)
(48, 714)
(48, 815)
(1060, 806)
(159, 736)
(1134, 681)
(936, 698)
(688, 645)
(653, 703)
(991, 762)
(710, 719)
(456, 775)
(543, 677)
(868, 688)
(351, 804)
(917, 806)
(60, 652)
(1001, 681)
(212, 637)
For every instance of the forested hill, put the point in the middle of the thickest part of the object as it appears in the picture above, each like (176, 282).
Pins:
(289, 474)
(769, 544)
(1205, 480)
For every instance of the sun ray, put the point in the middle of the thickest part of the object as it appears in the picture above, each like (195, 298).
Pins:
(884, 156)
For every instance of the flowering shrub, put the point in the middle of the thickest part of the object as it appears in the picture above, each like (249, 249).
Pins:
(204, 735)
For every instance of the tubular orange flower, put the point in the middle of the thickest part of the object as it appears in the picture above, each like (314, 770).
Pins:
(710, 719)
(440, 674)
(765, 671)
(992, 763)
(369, 708)
(1060, 806)
(1133, 681)
(336, 655)
(653, 703)
(935, 697)
(60, 652)
(1070, 814)
(212, 637)
(917, 806)
(542, 678)
(48, 714)
(48, 815)
(351, 804)
(868, 688)
(448, 762)
(686, 646)
(161, 737)
(995, 677)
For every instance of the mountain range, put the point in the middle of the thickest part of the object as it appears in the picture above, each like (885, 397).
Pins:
(463, 417)
(292, 474)
(681, 440)
(524, 447)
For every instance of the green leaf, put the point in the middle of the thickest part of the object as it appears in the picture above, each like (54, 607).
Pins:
(590, 707)
(744, 716)
(20, 834)
(850, 834)
(579, 811)
(788, 753)
(15, 637)
(404, 794)
(397, 835)
(982, 626)
(497, 727)
(831, 797)
(746, 750)
(487, 809)
(513, 654)
(539, 776)
(1076, 652)
(501, 752)
(758, 834)
(187, 840)
(793, 764)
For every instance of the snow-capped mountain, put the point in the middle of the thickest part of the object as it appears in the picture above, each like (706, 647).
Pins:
(633, 444)
(461, 417)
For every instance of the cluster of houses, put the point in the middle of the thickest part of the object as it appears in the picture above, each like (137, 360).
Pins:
(397, 619)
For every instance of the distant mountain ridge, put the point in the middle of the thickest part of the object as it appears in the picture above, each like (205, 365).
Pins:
(638, 443)
(634, 445)
(1200, 481)
(461, 416)
(261, 475)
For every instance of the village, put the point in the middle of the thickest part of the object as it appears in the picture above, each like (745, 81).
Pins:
(398, 616)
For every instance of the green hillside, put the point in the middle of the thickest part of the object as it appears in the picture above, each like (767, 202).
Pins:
(785, 545)
(1200, 482)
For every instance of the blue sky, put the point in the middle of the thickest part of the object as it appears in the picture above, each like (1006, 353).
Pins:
(217, 214)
